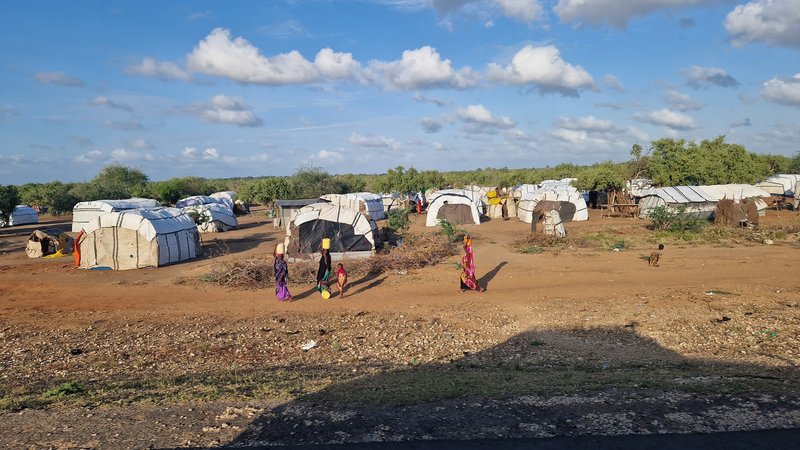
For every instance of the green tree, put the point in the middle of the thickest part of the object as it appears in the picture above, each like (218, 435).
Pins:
(794, 166)
(9, 199)
(265, 190)
(352, 183)
(313, 182)
(601, 177)
(56, 196)
(115, 182)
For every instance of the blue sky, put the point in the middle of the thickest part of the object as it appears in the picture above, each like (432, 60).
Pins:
(222, 89)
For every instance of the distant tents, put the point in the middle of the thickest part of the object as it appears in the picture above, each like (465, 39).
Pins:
(700, 201)
(21, 215)
(211, 214)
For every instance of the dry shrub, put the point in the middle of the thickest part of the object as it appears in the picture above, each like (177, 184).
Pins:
(257, 273)
(539, 240)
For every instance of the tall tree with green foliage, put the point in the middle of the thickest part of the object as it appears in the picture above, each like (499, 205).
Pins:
(266, 190)
(115, 182)
(313, 182)
(9, 199)
(56, 196)
(601, 177)
(794, 166)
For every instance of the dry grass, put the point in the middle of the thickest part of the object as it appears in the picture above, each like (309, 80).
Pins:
(417, 251)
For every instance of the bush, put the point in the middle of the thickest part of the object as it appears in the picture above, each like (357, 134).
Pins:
(398, 220)
(9, 199)
(674, 220)
(453, 233)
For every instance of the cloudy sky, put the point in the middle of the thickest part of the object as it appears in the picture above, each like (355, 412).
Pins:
(220, 89)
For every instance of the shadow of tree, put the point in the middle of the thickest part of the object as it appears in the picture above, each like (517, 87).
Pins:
(538, 383)
(489, 276)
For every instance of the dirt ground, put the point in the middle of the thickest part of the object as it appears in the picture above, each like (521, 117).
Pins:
(566, 341)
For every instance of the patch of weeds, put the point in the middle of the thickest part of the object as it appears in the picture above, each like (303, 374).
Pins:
(64, 390)
(532, 249)
(337, 346)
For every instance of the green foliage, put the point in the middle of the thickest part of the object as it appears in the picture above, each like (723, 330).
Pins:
(313, 182)
(65, 389)
(113, 183)
(794, 165)
(265, 190)
(453, 233)
(56, 196)
(601, 177)
(398, 219)
(174, 189)
(676, 162)
(674, 220)
(352, 183)
(532, 249)
(9, 199)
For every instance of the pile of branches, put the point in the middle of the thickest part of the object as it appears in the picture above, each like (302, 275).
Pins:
(417, 251)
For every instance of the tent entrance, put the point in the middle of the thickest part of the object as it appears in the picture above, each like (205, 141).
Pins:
(307, 238)
(456, 213)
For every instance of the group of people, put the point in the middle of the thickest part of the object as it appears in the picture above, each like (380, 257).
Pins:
(281, 269)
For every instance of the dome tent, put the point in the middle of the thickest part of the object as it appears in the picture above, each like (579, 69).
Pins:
(212, 217)
(570, 204)
(21, 215)
(85, 212)
(455, 206)
(138, 238)
(363, 202)
(348, 229)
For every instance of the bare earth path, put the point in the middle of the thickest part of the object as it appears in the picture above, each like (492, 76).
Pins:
(579, 341)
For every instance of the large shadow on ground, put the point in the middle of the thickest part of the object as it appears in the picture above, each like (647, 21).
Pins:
(537, 383)
(219, 245)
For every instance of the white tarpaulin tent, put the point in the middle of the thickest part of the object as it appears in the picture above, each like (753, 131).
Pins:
(738, 192)
(85, 212)
(454, 205)
(527, 205)
(225, 197)
(786, 185)
(700, 201)
(138, 238)
(21, 215)
(348, 229)
(363, 202)
(212, 217)
(196, 200)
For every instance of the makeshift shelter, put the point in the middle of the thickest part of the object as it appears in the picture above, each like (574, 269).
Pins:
(457, 206)
(738, 192)
(21, 215)
(48, 242)
(225, 197)
(363, 202)
(553, 225)
(287, 209)
(212, 217)
(694, 201)
(85, 212)
(524, 189)
(196, 200)
(570, 204)
(785, 185)
(392, 200)
(742, 212)
(138, 238)
(349, 230)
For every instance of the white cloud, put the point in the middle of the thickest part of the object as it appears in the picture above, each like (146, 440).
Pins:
(89, 157)
(614, 83)
(785, 91)
(587, 123)
(703, 77)
(163, 70)
(198, 16)
(226, 110)
(139, 143)
(104, 101)
(123, 155)
(524, 10)
(430, 125)
(670, 119)
(240, 61)
(128, 125)
(58, 78)
(681, 102)
(615, 12)
(330, 155)
(209, 154)
(436, 101)
(480, 120)
(774, 22)
(374, 141)
(420, 69)
(543, 68)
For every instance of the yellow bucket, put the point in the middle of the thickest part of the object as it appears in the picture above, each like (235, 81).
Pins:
(326, 243)
(326, 294)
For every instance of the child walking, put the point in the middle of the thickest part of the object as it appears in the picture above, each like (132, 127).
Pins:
(341, 279)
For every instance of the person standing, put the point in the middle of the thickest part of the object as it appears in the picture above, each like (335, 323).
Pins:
(281, 275)
(324, 270)
(468, 280)
(341, 279)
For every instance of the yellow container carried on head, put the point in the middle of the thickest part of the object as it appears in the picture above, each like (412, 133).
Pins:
(326, 243)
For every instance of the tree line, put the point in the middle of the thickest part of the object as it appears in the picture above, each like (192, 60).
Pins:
(668, 162)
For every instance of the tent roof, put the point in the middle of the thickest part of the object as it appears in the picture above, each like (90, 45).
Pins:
(119, 205)
(297, 203)
(733, 191)
(196, 200)
(148, 222)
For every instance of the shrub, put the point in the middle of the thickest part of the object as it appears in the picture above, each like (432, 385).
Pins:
(674, 220)
(398, 220)
(453, 233)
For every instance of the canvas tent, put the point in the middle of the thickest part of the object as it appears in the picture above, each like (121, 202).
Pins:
(225, 197)
(700, 201)
(737, 192)
(85, 212)
(570, 204)
(212, 217)
(21, 215)
(521, 190)
(785, 185)
(47, 242)
(196, 200)
(287, 209)
(363, 202)
(138, 238)
(348, 229)
(454, 205)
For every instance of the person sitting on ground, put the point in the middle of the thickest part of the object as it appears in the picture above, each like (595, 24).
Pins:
(656, 256)
(341, 279)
